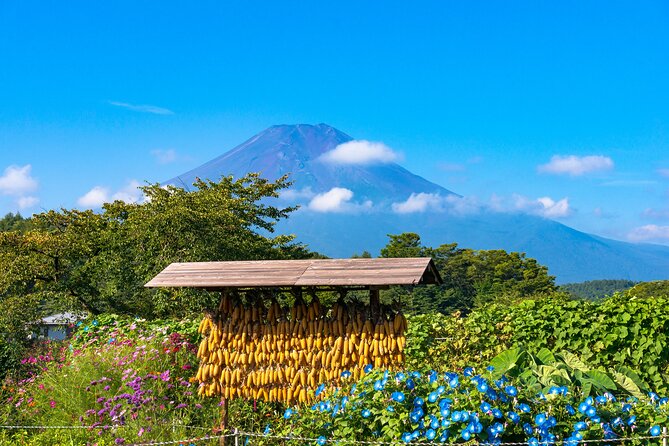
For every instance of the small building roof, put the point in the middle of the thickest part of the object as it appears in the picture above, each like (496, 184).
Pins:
(61, 319)
(334, 273)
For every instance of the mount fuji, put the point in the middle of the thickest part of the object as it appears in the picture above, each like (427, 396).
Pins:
(350, 202)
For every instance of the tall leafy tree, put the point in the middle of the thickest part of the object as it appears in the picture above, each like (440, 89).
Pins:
(470, 277)
(99, 262)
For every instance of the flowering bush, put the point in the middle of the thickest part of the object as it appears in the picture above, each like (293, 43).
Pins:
(461, 407)
(124, 380)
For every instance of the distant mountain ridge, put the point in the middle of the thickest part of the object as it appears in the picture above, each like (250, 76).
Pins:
(571, 255)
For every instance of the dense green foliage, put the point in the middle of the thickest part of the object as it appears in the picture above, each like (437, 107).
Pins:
(470, 277)
(14, 222)
(133, 380)
(99, 262)
(619, 333)
(659, 288)
(596, 289)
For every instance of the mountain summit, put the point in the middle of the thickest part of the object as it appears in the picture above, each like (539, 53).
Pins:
(302, 151)
(352, 194)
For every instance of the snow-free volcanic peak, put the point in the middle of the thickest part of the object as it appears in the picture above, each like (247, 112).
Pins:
(297, 150)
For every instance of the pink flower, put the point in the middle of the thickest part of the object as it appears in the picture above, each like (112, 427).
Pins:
(52, 403)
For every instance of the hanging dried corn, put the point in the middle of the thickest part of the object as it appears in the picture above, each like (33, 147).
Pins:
(279, 355)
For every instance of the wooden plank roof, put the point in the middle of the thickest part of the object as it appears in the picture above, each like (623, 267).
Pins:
(299, 273)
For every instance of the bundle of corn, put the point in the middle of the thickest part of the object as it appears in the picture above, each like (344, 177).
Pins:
(278, 355)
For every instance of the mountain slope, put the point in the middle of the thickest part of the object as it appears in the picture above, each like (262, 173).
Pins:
(571, 255)
(296, 150)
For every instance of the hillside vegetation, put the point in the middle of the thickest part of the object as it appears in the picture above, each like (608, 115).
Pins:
(496, 354)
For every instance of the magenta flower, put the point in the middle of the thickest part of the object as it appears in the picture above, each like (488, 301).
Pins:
(52, 403)
(165, 376)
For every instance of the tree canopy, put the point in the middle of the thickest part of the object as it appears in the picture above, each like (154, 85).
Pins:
(471, 277)
(99, 262)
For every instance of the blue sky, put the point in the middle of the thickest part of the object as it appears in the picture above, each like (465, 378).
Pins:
(475, 95)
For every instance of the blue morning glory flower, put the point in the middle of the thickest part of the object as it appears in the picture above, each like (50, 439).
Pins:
(655, 431)
(378, 385)
(418, 401)
(319, 389)
(390, 409)
(524, 408)
(366, 413)
(430, 434)
(397, 396)
(345, 374)
(288, 413)
(497, 413)
(321, 440)
(485, 407)
(490, 368)
(580, 426)
(511, 390)
(432, 397)
(368, 368)
(468, 371)
(513, 416)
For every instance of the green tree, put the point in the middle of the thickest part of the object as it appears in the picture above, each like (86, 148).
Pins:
(658, 288)
(99, 262)
(470, 277)
(14, 222)
(596, 289)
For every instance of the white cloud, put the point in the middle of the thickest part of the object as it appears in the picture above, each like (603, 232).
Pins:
(576, 165)
(544, 206)
(142, 108)
(27, 202)
(17, 181)
(94, 198)
(334, 200)
(649, 232)
(360, 152)
(165, 156)
(420, 202)
(130, 193)
(423, 202)
(100, 195)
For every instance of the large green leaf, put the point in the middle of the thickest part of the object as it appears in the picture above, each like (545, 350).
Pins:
(507, 360)
(633, 375)
(573, 361)
(600, 380)
(545, 356)
(628, 384)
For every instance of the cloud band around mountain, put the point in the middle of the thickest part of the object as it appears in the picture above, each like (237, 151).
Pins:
(361, 152)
